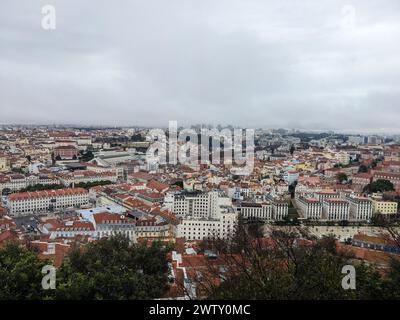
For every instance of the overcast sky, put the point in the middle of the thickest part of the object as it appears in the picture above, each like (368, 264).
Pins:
(307, 64)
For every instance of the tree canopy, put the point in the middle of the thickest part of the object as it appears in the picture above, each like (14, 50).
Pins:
(20, 273)
(283, 269)
(380, 185)
(111, 268)
(114, 269)
(341, 177)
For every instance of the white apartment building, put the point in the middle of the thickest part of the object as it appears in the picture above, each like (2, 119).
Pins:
(348, 207)
(323, 195)
(343, 157)
(24, 203)
(310, 208)
(264, 211)
(13, 182)
(16, 182)
(291, 176)
(196, 204)
(360, 208)
(336, 209)
(280, 209)
(205, 228)
(256, 211)
(108, 224)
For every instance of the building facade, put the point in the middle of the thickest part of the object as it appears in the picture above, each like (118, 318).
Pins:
(336, 209)
(310, 208)
(24, 203)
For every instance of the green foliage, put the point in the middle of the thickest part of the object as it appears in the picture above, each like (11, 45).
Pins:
(379, 220)
(391, 285)
(363, 169)
(88, 185)
(380, 185)
(178, 183)
(341, 177)
(87, 156)
(108, 269)
(138, 137)
(20, 274)
(39, 187)
(113, 269)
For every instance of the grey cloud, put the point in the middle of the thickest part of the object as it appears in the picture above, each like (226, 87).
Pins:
(252, 63)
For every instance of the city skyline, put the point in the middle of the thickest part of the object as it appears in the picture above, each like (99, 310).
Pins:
(350, 132)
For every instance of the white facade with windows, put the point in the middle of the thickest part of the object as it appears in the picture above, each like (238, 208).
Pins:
(360, 208)
(24, 203)
(204, 215)
(206, 228)
(336, 209)
(280, 209)
(196, 204)
(256, 211)
(343, 157)
(310, 208)
(16, 182)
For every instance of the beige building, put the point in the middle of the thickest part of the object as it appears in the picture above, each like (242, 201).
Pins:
(384, 207)
(4, 164)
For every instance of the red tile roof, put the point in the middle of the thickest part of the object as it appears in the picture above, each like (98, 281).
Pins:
(156, 185)
(109, 218)
(45, 194)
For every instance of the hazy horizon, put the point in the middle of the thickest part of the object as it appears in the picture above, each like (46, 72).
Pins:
(165, 127)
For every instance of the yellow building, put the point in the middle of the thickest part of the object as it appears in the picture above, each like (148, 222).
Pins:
(385, 207)
(300, 166)
(305, 166)
(4, 165)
